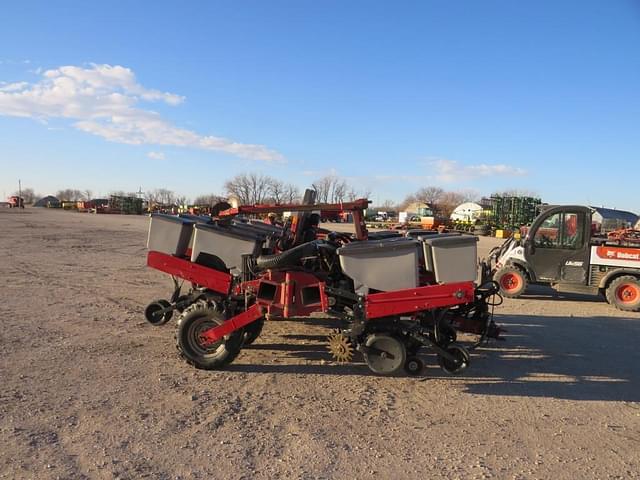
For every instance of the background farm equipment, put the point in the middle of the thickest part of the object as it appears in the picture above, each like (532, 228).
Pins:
(391, 296)
(510, 212)
(16, 202)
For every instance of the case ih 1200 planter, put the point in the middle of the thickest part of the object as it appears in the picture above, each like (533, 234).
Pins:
(394, 295)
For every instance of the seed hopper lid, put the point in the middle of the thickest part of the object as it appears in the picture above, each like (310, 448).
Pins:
(446, 240)
(379, 246)
(419, 232)
(233, 231)
(172, 218)
(196, 218)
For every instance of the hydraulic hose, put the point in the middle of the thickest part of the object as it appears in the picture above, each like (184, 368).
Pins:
(287, 258)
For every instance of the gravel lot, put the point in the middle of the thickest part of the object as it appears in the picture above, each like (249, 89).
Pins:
(90, 390)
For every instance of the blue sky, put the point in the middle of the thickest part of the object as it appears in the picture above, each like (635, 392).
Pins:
(542, 96)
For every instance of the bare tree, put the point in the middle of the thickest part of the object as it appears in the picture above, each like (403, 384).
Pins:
(69, 195)
(291, 193)
(333, 189)
(515, 192)
(249, 188)
(408, 200)
(440, 201)
(156, 196)
(448, 202)
(276, 190)
(87, 194)
(151, 197)
(210, 199)
(164, 196)
(28, 195)
(339, 193)
(469, 195)
(323, 188)
(429, 195)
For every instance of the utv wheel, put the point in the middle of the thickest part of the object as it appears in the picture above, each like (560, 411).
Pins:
(512, 281)
(461, 359)
(154, 315)
(195, 320)
(624, 293)
(251, 332)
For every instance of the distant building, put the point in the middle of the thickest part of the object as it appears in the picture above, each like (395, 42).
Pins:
(467, 212)
(49, 202)
(609, 219)
(420, 209)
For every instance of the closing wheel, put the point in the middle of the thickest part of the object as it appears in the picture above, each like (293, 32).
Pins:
(156, 313)
(624, 293)
(413, 366)
(196, 319)
(385, 355)
(512, 281)
(460, 360)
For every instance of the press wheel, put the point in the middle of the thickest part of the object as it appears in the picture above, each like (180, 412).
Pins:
(413, 366)
(460, 360)
(155, 312)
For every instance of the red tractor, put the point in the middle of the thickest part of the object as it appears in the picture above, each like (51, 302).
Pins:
(393, 295)
(16, 202)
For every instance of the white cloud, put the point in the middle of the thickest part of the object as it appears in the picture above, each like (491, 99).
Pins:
(320, 173)
(103, 100)
(447, 171)
(156, 155)
(12, 87)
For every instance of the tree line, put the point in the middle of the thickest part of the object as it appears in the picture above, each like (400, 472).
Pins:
(256, 188)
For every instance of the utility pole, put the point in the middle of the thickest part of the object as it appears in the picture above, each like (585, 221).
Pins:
(20, 202)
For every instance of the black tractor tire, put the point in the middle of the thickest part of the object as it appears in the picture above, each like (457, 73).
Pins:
(251, 332)
(512, 280)
(624, 293)
(195, 319)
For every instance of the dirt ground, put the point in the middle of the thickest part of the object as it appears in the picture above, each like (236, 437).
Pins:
(90, 390)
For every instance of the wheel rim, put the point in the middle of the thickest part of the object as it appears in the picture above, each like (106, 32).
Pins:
(510, 281)
(628, 293)
(392, 357)
(195, 340)
(461, 360)
(153, 315)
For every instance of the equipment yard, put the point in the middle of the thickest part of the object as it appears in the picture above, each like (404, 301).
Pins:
(91, 390)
